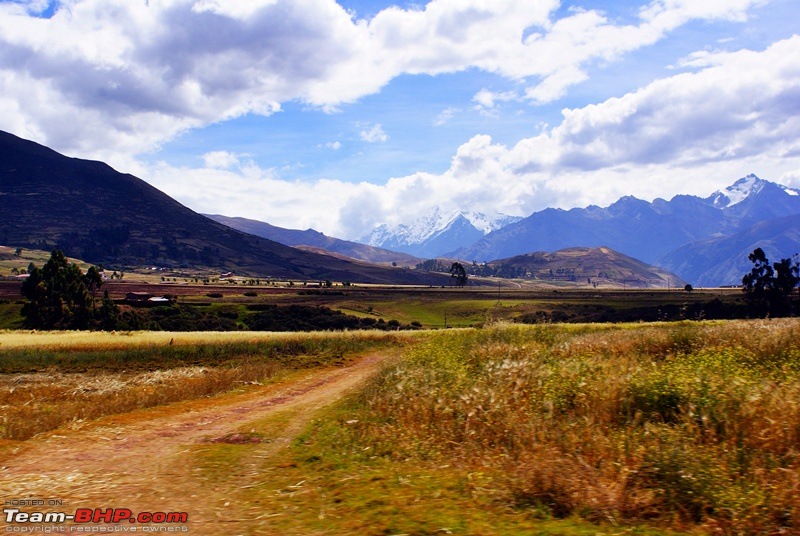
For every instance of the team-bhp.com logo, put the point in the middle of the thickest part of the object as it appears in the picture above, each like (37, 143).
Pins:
(89, 516)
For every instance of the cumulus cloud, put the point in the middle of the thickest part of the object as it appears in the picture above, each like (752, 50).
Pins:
(112, 79)
(373, 134)
(486, 101)
(690, 133)
(105, 77)
(221, 160)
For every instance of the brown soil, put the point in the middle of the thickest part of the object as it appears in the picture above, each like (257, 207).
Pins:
(147, 460)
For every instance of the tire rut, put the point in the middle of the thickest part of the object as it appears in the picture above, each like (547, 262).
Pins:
(143, 461)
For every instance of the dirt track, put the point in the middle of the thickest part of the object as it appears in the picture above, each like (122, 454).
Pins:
(144, 461)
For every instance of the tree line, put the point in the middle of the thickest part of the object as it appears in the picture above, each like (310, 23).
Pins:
(61, 296)
(770, 288)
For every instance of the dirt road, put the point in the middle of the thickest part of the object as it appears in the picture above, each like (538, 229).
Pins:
(146, 462)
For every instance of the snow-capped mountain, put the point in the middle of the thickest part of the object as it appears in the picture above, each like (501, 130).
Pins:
(744, 188)
(688, 235)
(653, 231)
(436, 233)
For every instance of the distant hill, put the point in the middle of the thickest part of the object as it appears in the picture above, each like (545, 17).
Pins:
(95, 213)
(317, 240)
(601, 265)
(723, 260)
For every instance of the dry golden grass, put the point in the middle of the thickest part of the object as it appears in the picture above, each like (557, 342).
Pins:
(691, 424)
(120, 340)
(54, 378)
(33, 403)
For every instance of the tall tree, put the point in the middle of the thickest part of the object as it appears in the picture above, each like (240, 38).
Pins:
(458, 272)
(769, 288)
(57, 296)
(93, 281)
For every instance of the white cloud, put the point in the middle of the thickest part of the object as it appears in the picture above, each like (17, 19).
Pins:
(791, 178)
(334, 145)
(129, 76)
(689, 133)
(445, 116)
(374, 134)
(113, 78)
(486, 101)
(221, 160)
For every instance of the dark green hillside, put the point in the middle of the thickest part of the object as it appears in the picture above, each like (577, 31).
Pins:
(95, 213)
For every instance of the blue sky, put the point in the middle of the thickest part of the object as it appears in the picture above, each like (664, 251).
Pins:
(342, 116)
(412, 109)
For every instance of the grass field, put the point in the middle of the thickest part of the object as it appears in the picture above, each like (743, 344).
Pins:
(49, 379)
(508, 429)
(687, 425)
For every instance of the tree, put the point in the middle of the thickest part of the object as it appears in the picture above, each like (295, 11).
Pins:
(458, 272)
(93, 281)
(108, 314)
(768, 288)
(58, 297)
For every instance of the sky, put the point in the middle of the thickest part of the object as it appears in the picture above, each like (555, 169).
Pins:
(341, 116)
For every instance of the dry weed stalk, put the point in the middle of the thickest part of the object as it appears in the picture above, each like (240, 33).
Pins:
(688, 423)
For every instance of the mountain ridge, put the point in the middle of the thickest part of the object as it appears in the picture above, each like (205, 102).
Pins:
(435, 233)
(648, 231)
(91, 211)
(317, 240)
(723, 260)
(600, 265)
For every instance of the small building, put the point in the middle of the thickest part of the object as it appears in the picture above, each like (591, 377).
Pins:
(137, 297)
(143, 299)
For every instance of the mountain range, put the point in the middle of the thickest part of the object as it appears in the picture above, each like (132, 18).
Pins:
(723, 260)
(314, 240)
(702, 240)
(92, 212)
(436, 233)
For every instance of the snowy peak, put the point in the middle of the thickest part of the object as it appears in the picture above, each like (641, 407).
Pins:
(437, 232)
(737, 192)
(746, 188)
(487, 224)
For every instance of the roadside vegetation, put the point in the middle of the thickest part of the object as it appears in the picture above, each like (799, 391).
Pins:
(520, 424)
(547, 429)
(689, 425)
(51, 379)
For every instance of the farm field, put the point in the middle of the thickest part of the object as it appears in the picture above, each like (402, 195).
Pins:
(428, 307)
(646, 428)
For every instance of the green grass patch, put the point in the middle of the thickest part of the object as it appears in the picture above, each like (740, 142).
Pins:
(10, 315)
(330, 482)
